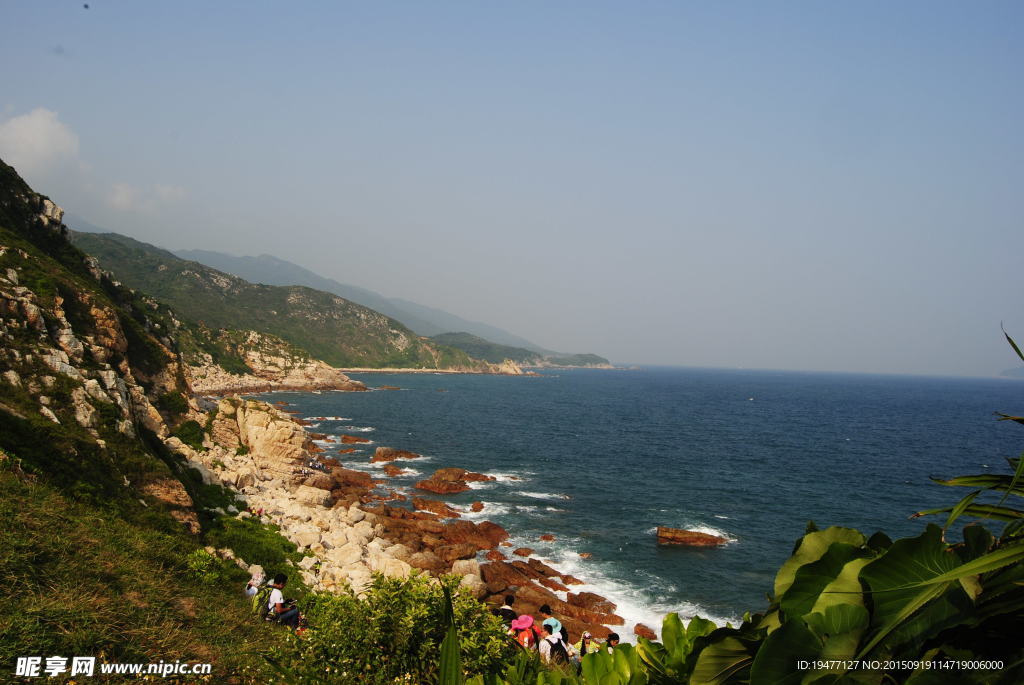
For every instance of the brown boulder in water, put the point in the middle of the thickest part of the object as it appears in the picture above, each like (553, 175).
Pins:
(435, 507)
(591, 601)
(691, 538)
(445, 482)
(390, 454)
(353, 439)
(523, 552)
(392, 470)
(640, 630)
(476, 506)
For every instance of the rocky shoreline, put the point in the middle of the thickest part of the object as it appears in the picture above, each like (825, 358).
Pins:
(274, 371)
(349, 524)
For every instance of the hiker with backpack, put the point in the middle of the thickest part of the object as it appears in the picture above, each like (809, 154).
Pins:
(545, 611)
(285, 612)
(552, 648)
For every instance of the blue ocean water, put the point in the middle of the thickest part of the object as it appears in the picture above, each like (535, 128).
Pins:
(600, 458)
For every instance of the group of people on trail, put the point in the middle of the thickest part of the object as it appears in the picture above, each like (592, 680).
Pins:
(550, 639)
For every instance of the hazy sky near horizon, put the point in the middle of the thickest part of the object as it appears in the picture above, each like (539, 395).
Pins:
(791, 185)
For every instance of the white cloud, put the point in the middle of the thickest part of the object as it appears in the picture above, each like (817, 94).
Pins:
(37, 143)
(128, 198)
(45, 152)
(122, 196)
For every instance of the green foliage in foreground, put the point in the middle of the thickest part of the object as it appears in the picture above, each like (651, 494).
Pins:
(392, 634)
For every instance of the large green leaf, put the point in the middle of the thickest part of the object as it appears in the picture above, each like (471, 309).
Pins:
(668, 662)
(845, 589)
(724, 660)
(450, 666)
(778, 659)
(810, 548)
(987, 481)
(840, 628)
(982, 511)
(904, 580)
(811, 578)
(1004, 556)
(1012, 344)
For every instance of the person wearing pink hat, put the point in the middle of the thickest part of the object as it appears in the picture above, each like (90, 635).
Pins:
(524, 632)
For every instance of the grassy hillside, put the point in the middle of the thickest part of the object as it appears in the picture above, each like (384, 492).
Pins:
(323, 325)
(80, 581)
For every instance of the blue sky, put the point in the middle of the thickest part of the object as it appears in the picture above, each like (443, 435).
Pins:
(821, 186)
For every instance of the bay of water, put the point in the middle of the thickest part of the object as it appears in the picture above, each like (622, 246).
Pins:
(600, 458)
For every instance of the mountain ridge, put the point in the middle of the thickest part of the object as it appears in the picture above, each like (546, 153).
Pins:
(424, 320)
(322, 325)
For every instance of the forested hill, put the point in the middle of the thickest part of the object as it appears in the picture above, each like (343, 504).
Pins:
(325, 326)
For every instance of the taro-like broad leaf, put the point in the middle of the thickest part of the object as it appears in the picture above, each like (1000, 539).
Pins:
(906, 580)
(812, 578)
(811, 548)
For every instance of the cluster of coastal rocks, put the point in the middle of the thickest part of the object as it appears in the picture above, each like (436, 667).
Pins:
(274, 365)
(261, 451)
(349, 524)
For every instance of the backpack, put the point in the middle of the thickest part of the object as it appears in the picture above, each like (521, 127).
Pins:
(259, 603)
(558, 653)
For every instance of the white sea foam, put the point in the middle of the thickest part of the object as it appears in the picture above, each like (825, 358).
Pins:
(327, 418)
(510, 477)
(357, 429)
(633, 601)
(481, 484)
(719, 516)
(313, 425)
(543, 495)
(491, 510)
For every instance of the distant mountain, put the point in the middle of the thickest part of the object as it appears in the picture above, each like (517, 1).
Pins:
(323, 325)
(479, 348)
(424, 320)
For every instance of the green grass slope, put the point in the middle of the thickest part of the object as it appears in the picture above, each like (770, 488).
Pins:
(81, 582)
